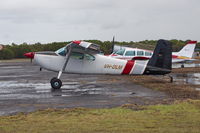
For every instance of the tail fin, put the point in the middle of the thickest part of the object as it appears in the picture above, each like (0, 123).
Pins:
(161, 61)
(187, 50)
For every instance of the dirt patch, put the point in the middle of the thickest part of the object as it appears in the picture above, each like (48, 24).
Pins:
(186, 70)
(175, 91)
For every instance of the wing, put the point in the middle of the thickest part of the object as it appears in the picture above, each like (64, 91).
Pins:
(84, 47)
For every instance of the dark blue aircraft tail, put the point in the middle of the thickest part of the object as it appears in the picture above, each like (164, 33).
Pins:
(161, 61)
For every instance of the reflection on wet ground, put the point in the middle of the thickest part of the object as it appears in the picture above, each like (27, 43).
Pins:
(23, 88)
(178, 65)
(187, 78)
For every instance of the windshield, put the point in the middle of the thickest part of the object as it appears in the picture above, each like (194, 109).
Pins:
(120, 52)
(75, 55)
(62, 51)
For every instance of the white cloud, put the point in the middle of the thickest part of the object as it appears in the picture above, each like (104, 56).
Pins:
(62, 20)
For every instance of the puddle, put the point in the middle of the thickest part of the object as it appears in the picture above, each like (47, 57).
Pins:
(198, 89)
(178, 65)
(187, 78)
(25, 90)
(14, 76)
(11, 67)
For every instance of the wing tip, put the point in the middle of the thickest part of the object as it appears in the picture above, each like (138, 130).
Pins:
(76, 42)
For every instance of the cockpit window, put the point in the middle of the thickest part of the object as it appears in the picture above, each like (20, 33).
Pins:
(130, 53)
(77, 55)
(140, 53)
(148, 54)
(120, 52)
(89, 57)
(62, 51)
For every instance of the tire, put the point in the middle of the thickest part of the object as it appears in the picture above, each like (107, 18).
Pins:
(53, 79)
(56, 83)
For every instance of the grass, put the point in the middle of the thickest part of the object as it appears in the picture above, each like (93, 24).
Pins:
(180, 117)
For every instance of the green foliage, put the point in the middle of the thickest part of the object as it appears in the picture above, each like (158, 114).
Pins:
(6, 54)
(17, 51)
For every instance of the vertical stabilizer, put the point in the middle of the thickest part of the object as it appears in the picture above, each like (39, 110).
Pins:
(187, 50)
(161, 61)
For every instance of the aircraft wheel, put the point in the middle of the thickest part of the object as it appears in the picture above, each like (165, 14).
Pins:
(53, 79)
(56, 83)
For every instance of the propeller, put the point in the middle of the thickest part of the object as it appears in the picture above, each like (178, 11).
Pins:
(30, 55)
(112, 45)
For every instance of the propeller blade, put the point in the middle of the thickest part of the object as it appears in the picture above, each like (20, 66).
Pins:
(112, 46)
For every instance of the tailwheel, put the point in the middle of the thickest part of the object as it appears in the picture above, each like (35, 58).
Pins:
(56, 83)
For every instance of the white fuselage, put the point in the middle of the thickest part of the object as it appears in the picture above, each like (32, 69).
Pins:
(127, 53)
(96, 64)
(131, 53)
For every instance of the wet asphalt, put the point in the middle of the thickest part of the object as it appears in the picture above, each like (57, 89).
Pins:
(23, 88)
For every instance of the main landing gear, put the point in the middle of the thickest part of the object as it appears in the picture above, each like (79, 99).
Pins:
(56, 83)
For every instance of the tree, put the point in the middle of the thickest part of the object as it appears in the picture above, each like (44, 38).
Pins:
(6, 54)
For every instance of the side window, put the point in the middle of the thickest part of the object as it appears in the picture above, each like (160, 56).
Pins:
(120, 52)
(77, 55)
(148, 54)
(130, 53)
(89, 57)
(140, 53)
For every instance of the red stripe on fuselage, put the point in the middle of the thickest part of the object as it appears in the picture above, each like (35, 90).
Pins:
(174, 56)
(128, 67)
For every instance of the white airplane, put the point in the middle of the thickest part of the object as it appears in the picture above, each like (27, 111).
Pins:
(127, 53)
(85, 58)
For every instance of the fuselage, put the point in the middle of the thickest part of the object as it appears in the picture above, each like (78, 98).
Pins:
(89, 64)
(135, 53)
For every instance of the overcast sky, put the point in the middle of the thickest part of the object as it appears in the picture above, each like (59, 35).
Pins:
(44, 21)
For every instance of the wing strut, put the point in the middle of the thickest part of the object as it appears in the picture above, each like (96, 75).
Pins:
(56, 83)
(69, 48)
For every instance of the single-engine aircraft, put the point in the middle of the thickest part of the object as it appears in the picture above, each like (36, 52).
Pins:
(85, 58)
(127, 53)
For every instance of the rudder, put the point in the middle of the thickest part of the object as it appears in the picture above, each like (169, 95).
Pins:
(161, 61)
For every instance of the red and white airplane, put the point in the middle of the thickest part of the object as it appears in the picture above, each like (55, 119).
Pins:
(127, 53)
(85, 58)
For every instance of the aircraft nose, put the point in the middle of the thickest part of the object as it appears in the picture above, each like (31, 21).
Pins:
(29, 55)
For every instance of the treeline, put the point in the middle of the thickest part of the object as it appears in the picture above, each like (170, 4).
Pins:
(17, 50)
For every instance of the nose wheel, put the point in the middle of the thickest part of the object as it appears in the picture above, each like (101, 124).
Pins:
(56, 83)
